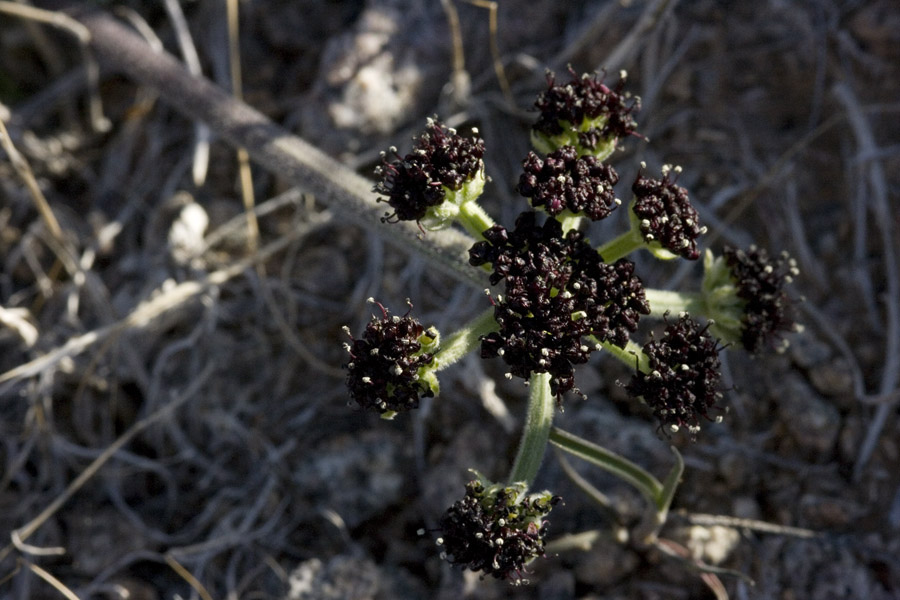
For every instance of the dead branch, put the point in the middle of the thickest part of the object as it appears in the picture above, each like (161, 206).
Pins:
(120, 49)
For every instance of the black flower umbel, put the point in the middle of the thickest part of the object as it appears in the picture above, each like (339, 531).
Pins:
(383, 372)
(558, 290)
(745, 290)
(682, 382)
(496, 529)
(584, 113)
(443, 167)
(665, 214)
(566, 182)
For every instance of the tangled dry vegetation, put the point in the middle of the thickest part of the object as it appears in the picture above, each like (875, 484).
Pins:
(173, 414)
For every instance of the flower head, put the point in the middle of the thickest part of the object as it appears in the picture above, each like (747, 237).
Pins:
(745, 290)
(682, 381)
(428, 184)
(667, 220)
(496, 529)
(558, 290)
(584, 113)
(384, 369)
(565, 182)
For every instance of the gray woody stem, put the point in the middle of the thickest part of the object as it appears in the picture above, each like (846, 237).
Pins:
(120, 49)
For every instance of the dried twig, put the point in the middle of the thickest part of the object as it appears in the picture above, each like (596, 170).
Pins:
(237, 90)
(192, 63)
(878, 203)
(186, 575)
(269, 145)
(144, 313)
(58, 585)
(499, 71)
(66, 23)
(21, 534)
(24, 170)
(750, 524)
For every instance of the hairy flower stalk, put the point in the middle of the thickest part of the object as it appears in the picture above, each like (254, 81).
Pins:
(536, 431)
(387, 368)
(663, 220)
(496, 529)
(682, 378)
(438, 182)
(557, 290)
(584, 113)
(462, 341)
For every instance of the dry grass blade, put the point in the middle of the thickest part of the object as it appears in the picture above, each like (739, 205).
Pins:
(499, 71)
(56, 583)
(707, 572)
(461, 82)
(186, 575)
(267, 483)
(237, 86)
(24, 170)
(878, 204)
(271, 146)
(750, 524)
(144, 313)
(192, 62)
(63, 21)
(649, 20)
(24, 532)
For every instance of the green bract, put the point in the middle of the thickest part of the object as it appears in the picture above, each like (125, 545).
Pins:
(444, 214)
(724, 308)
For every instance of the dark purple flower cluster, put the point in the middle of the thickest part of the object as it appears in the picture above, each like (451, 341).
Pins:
(557, 291)
(586, 98)
(384, 364)
(563, 181)
(760, 282)
(440, 158)
(665, 214)
(682, 383)
(496, 532)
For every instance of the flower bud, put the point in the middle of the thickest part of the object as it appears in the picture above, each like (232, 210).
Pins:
(496, 529)
(565, 184)
(745, 293)
(682, 382)
(387, 369)
(557, 291)
(584, 113)
(663, 213)
(429, 184)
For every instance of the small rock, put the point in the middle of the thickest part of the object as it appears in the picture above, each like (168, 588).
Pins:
(833, 378)
(808, 352)
(745, 507)
(605, 563)
(560, 585)
(357, 476)
(810, 421)
(851, 437)
(341, 577)
(710, 544)
(821, 512)
(375, 77)
(733, 469)
(94, 534)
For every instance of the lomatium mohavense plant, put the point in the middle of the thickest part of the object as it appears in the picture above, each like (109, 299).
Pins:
(563, 299)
